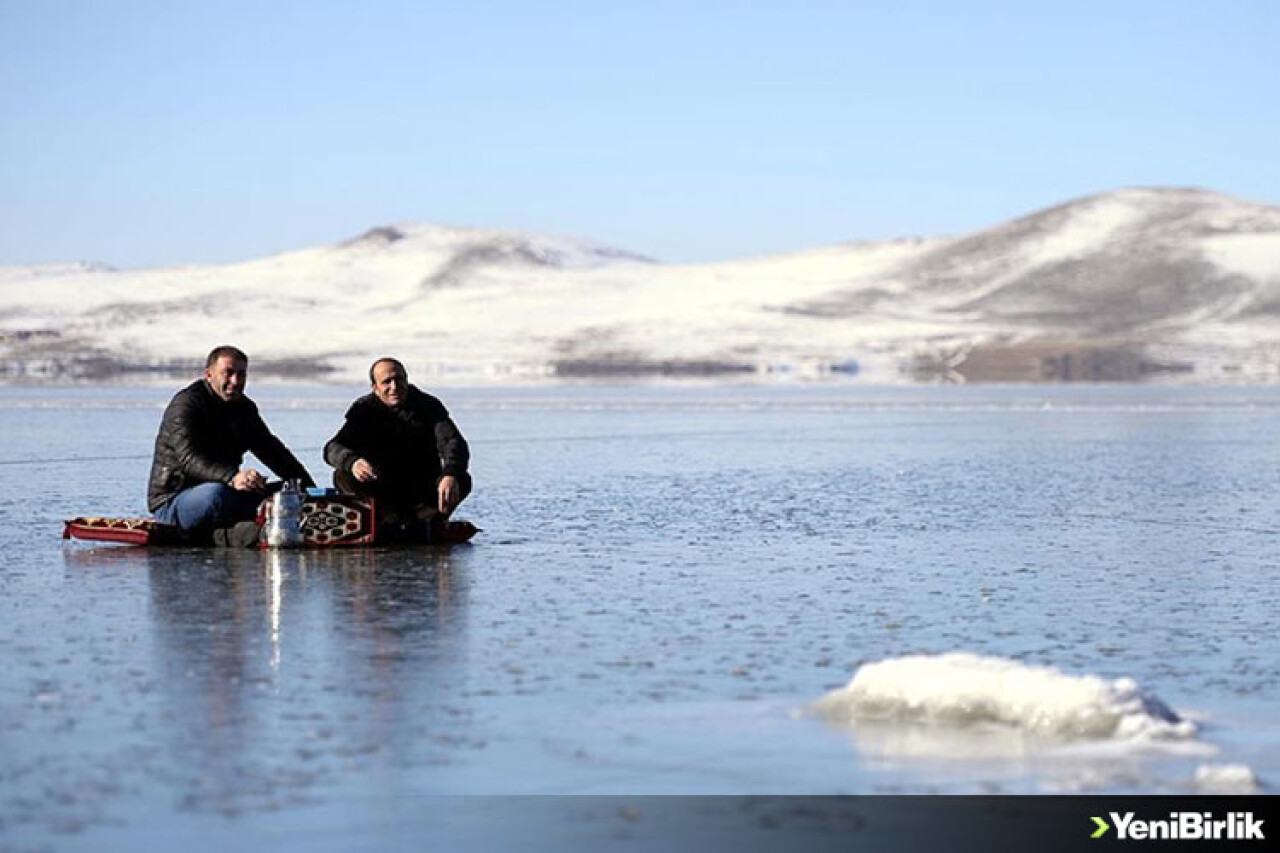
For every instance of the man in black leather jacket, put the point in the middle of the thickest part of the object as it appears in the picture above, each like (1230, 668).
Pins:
(196, 481)
(399, 446)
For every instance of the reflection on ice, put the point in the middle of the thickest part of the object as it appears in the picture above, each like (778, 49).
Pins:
(277, 673)
(275, 574)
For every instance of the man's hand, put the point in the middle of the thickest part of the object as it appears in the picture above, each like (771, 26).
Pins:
(248, 480)
(448, 491)
(363, 471)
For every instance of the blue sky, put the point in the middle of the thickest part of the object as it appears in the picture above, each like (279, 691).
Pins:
(148, 133)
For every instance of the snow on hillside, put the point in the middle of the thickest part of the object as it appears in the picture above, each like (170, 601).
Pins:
(1119, 285)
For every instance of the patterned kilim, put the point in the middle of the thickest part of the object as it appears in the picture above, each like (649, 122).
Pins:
(327, 522)
(138, 531)
(338, 520)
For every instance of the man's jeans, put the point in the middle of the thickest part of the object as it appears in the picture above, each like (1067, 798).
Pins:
(209, 505)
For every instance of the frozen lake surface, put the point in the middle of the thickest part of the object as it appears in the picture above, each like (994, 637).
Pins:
(668, 580)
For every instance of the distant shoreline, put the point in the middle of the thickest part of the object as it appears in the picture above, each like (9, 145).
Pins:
(1028, 364)
(50, 358)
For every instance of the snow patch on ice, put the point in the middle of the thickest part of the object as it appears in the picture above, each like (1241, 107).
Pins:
(966, 691)
(1226, 779)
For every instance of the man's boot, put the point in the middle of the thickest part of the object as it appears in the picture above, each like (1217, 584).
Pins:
(243, 534)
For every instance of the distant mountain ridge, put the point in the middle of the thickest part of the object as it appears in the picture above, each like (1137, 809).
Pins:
(1129, 284)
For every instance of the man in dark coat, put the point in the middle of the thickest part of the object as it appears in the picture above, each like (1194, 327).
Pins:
(196, 481)
(399, 446)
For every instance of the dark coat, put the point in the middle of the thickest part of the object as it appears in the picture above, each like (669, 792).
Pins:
(411, 446)
(203, 439)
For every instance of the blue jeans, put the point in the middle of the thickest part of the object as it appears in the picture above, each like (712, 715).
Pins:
(207, 506)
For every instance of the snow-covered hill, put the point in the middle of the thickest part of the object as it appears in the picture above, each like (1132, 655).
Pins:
(1132, 283)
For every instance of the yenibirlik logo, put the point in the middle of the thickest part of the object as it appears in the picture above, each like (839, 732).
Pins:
(1183, 826)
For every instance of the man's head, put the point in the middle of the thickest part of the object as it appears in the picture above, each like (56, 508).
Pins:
(390, 381)
(226, 370)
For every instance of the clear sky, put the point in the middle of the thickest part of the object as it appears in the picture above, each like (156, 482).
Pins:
(146, 133)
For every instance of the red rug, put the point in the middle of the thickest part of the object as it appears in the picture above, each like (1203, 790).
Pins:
(327, 522)
(338, 520)
(137, 531)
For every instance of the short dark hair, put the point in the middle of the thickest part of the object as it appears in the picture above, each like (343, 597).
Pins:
(222, 352)
(395, 361)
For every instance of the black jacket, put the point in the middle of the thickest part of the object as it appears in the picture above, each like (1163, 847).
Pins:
(411, 446)
(203, 439)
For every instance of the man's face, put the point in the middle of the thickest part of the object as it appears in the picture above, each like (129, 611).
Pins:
(227, 376)
(389, 383)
